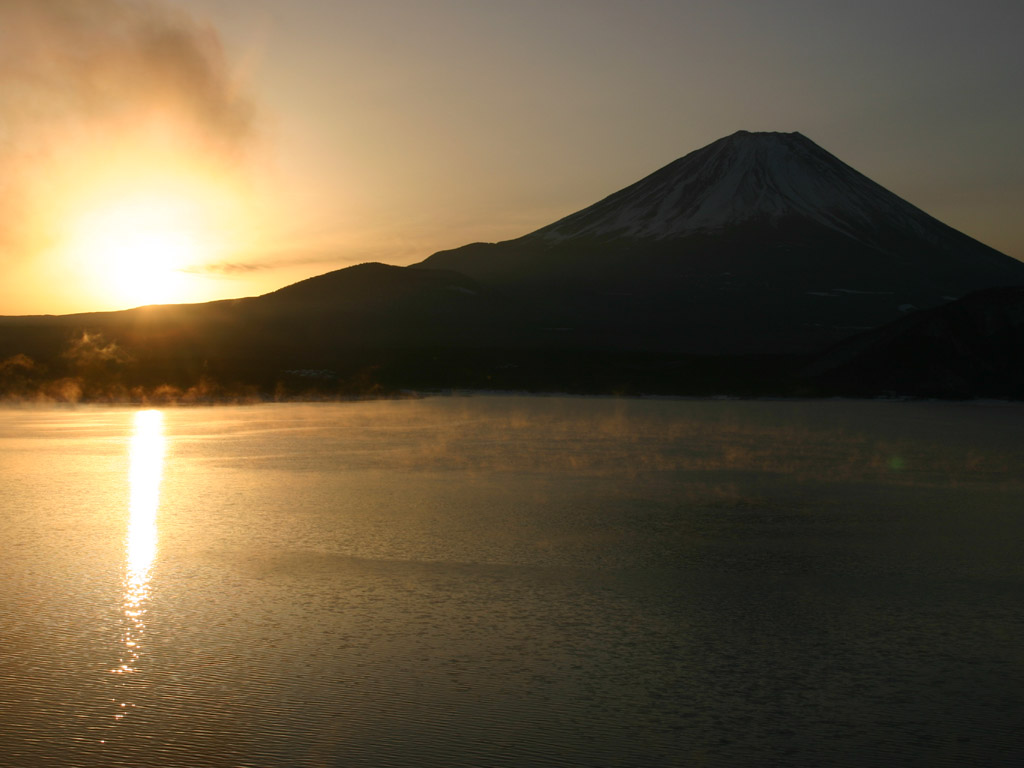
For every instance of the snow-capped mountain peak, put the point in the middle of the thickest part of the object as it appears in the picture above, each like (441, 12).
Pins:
(757, 242)
(742, 178)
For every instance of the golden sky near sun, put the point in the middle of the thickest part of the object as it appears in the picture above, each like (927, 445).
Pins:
(134, 163)
(190, 150)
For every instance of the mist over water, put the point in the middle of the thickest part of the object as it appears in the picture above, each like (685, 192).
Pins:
(512, 581)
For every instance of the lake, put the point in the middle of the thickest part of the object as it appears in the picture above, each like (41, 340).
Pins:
(485, 581)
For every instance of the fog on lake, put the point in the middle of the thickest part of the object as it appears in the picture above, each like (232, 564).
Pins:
(478, 581)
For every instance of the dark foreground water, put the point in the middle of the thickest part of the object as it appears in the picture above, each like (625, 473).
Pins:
(513, 581)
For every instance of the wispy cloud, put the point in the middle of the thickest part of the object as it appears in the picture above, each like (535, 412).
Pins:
(324, 249)
(282, 260)
(85, 60)
(79, 71)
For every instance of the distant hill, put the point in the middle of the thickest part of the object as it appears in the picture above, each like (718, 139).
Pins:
(358, 330)
(970, 348)
(753, 266)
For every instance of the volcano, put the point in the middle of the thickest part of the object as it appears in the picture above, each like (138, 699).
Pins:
(756, 243)
(758, 265)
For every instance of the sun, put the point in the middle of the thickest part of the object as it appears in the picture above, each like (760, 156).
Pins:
(143, 216)
(135, 248)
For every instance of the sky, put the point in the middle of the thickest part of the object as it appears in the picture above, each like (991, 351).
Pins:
(191, 150)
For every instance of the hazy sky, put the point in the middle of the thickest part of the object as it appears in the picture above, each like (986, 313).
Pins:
(292, 137)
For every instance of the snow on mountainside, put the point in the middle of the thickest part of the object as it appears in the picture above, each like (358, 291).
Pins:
(758, 242)
(747, 177)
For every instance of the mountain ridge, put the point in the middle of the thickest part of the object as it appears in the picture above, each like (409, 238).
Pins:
(728, 271)
(752, 229)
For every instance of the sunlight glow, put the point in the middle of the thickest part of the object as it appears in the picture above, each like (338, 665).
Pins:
(138, 247)
(139, 216)
(145, 472)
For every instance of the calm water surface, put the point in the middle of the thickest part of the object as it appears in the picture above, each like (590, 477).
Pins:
(513, 581)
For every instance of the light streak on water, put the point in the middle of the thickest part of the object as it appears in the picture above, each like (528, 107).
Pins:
(146, 455)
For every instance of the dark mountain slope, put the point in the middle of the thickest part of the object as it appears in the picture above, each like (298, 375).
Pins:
(755, 243)
(377, 303)
(973, 347)
(330, 332)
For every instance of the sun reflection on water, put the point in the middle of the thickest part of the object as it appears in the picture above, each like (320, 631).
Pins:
(146, 457)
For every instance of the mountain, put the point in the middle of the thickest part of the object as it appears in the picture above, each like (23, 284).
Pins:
(377, 304)
(972, 347)
(728, 271)
(758, 242)
(366, 328)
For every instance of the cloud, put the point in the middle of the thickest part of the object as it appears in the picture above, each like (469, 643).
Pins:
(104, 59)
(80, 73)
(284, 259)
